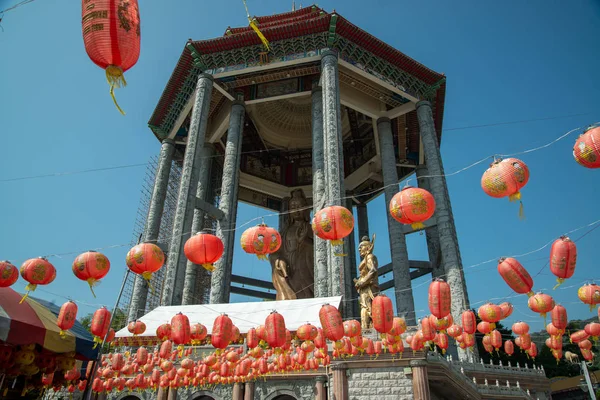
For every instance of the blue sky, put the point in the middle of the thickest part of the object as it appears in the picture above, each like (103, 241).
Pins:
(511, 61)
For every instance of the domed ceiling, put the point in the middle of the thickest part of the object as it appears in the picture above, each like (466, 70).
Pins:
(286, 123)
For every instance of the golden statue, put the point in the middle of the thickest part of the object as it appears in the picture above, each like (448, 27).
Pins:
(368, 283)
(293, 264)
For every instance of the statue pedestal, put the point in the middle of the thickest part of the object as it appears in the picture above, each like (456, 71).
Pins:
(370, 334)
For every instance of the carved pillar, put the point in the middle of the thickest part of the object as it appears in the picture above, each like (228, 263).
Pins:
(221, 277)
(363, 220)
(249, 391)
(163, 393)
(451, 259)
(405, 304)
(339, 278)
(238, 391)
(204, 163)
(420, 380)
(172, 394)
(340, 382)
(151, 232)
(173, 285)
(433, 238)
(320, 391)
(351, 266)
(319, 191)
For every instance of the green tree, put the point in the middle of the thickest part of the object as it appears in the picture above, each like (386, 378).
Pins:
(86, 322)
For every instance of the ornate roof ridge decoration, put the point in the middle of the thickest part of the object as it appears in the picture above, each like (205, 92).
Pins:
(295, 35)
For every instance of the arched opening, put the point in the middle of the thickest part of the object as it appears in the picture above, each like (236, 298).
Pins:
(130, 398)
(284, 397)
(204, 397)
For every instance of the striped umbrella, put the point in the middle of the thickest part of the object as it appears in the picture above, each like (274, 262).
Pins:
(32, 322)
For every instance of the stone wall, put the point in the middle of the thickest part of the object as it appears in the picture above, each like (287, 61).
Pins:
(379, 383)
(300, 389)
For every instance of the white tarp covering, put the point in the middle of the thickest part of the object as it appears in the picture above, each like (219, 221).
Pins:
(243, 315)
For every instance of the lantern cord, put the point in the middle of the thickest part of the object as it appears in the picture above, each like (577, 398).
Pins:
(116, 79)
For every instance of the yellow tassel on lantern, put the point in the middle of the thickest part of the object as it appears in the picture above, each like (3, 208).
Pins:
(116, 79)
(521, 211)
(148, 276)
(560, 282)
(417, 225)
(514, 196)
(208, 267)
(29, 288)
(93, 282)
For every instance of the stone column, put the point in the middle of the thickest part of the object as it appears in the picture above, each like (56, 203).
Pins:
(332, 133)
(152, 229)
(405, 304)
(202, 192)
(172, 394)
(320, 391)
(163, 393)
(238, 391)
(420, 380)
(221, 277)
(249, 391)
(433, 238)
(363, 220)
(319, 191)
(340, 382)
(173, 286)
(448, 240)
(351, 266)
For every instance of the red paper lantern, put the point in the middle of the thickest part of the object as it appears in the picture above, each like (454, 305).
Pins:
(198, 333)
(496, 339)
(382, 313)
(66, 317)
(352, 328)
(559, 317)
(204, 249)
(257, 240)
(484, 327)
(541, 303)
(100, 324)
(579, 336)
(593, 329)
(587, 148)
(509, 347)
(136, 327)
(91, 266)
(333, 224)
(515, 276)
(490, 313)
(111, 35)
(110, 336)
(439, 298)
(454, 331)
(163, 332)
(469, 322)
(520, 328)
(554, 331)
(307, 332)
(427, 330)
(331, 321)
(589, 294)
(532, 351)
(145, 259)
(507, 309)
(180, 330)
(398, 326)
(563, 257)
(412, 206)
(37, 271)
(554, 342)
(222, 332)
(276, 332)
(275, 243)
(8, 274)
(505, 178)
(588, 355)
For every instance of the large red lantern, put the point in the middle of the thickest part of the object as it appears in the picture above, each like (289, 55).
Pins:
(163, 332)
(91, 266)
(559, 317)
(563, 257)
(204, 249)
(180, 330)
(111, 34)
(333, 223)
(469, 322)
(307, 332)
(37, 271)
(275, 327)
(100, 324)
(145, 259)
(331, 321)
(66, 317)
(589, 294)
(520, 328)
(587, 148)
(198, 333)
(382, 313)
(8, 274)
(593, 329)
(412, 206)
(257, 240)
(222, 332)
(439, 298)
(505, 178)
(491, 313)
(541, 303)
(515, 276)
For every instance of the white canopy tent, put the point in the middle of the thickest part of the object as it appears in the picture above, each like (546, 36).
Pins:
(243, 315)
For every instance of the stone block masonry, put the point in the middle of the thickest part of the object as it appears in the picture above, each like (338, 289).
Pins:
(379, 383)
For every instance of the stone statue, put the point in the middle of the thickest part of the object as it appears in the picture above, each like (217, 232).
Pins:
(367, 284)
(293, 264)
